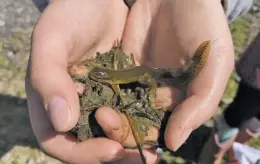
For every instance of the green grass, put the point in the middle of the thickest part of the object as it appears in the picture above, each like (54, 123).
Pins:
(231, 87)
(239, 29)
(3, 61)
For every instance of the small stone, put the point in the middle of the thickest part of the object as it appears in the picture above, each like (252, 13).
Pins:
(227, 100)
(42, 157)
(80, 87)
(6, 157)
(38, 160)
(209, 123)
(258, 15)
(20, 10)
(29, 161)
(2, 23)
(10, 54)
(159, 150)
(255, 8)
(182, 61)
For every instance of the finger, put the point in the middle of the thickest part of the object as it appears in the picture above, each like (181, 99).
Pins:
(116, 126)
(201, 102)
(206, 90)
(58, 92)
(48, 72)
(97, 150)
(137, 29)
(63, 146)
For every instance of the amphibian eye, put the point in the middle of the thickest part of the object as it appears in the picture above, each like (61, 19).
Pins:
(100, 74)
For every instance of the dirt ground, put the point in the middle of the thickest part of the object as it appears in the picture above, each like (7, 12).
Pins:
(17, 141)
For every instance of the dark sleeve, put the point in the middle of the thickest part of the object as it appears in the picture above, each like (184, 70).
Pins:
(236, 8)
(41, 4)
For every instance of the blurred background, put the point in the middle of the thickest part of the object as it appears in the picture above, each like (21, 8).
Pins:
(17, 142)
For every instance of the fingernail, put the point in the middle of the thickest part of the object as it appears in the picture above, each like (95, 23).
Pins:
(112, 159)
(183, 138)
(59, 113)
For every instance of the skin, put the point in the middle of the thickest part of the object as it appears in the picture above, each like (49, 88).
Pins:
(154, 31)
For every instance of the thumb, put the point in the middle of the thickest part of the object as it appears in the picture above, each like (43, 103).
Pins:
(49, 77)
(58, 94)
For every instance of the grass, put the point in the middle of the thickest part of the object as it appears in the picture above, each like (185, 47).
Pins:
(239, 29)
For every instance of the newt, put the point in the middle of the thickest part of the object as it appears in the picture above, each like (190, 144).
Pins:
(149, 75)
(142, 74)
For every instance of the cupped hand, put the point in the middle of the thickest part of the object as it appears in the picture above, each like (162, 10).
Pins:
(66, 33)
(163, 34)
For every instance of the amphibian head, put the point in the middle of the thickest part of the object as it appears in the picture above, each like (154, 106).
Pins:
(100, 74)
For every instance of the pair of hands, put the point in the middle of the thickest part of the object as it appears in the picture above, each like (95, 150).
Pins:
(158, 33)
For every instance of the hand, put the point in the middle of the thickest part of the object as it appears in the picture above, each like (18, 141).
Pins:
(67, 32)
(159, 33)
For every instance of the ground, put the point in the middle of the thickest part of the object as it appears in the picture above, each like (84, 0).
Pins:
(17, 142)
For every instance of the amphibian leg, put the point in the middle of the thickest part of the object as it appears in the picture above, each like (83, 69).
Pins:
(116, 60)
(147, 78)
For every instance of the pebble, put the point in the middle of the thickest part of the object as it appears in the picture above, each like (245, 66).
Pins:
(42, 157)
(2, 23)
(30, 161)
(209, 123)
(10, 54)
(227, 100)
(6, 157)
(159, 150)
(20, 10)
